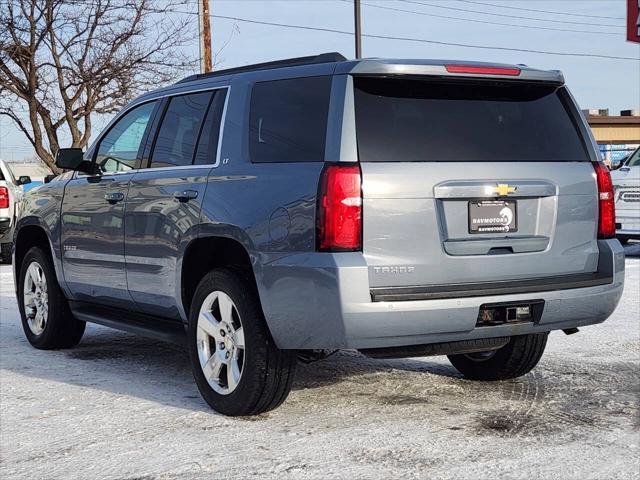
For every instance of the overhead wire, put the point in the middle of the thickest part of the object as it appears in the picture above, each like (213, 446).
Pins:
(510, 7)
(423, 40)
(428, 4)
(535, 27)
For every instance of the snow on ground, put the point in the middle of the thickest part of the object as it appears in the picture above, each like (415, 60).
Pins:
(121, 406)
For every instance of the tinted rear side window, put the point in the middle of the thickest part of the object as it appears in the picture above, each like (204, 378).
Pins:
(178, 134)
(422, 121)
(207, 150)
(288, 120)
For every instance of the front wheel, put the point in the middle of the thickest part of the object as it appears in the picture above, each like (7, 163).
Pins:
(516, 358)
(46, 319)
(236, 365)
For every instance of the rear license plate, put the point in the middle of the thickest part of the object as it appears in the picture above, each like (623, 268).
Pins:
(493, 216)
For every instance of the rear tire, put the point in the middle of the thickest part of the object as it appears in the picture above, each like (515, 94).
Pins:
(516, 358)
(246, 373)
(46, 318)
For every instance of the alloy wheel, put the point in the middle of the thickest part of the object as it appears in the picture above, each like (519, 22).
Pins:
(36, 298)
(220, 342)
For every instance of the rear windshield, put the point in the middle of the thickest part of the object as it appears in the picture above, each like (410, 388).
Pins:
(399, 120)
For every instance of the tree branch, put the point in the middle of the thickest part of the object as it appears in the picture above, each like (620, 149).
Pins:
(68, 60)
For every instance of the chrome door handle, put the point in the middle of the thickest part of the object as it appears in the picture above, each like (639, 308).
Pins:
(114, 197)
(186, 195)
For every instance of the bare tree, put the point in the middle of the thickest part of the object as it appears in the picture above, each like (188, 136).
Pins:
(61, 61)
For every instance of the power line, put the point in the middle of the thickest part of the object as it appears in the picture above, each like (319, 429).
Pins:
(541, 11)
(482, 21)
(426, 4)
(423, 40)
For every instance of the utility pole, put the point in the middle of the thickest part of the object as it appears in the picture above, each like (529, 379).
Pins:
(356, 15)
(205, 36)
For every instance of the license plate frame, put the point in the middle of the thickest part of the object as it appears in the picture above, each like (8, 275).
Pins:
(488, 216)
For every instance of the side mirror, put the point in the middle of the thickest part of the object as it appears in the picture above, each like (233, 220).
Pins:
(24, 180)
(72, 159)
(48, 178)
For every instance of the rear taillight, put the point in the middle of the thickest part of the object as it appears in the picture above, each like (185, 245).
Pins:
(340, 209)
(4, 197)
(606, 202)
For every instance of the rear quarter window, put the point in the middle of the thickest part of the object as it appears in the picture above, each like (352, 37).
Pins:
(399, 120)
(288, 120)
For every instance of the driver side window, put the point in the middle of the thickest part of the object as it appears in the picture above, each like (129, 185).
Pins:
(118, 149)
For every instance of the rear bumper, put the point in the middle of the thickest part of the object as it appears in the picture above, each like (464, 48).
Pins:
(321, 301)
(628, 223)
(465, 290)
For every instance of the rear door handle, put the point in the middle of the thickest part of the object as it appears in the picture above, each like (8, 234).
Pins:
(114, 197)
(186, 195)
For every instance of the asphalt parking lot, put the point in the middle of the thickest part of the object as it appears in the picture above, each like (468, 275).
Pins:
(123, 407)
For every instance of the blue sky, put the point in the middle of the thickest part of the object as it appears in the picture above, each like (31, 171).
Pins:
(595, 82)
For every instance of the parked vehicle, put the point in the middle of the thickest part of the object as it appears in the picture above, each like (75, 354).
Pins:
(10, 202)
(397, 207)
(626, 183)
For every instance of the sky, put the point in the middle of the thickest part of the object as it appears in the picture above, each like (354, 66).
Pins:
(595, 82)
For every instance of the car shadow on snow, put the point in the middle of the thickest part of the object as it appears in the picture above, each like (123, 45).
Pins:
(132, 365)
(129, 366)
(632, 249)
(346, 364)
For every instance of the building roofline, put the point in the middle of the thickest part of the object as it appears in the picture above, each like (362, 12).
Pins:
(618, 120)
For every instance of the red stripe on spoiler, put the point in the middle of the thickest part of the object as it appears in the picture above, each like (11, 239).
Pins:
(482, 70)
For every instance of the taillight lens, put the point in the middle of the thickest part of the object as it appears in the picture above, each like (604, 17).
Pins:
(4, 197)
(512, 72)
(606, 202)
(340, 209)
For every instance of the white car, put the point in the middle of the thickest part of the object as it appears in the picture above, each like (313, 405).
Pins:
(626, 182)
(10, 204)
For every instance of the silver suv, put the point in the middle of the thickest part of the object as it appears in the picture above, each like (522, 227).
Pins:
(283, 210)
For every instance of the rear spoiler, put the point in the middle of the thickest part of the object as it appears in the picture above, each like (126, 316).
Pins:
(446, 68)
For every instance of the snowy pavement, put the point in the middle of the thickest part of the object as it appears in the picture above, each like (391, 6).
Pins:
(122, 407)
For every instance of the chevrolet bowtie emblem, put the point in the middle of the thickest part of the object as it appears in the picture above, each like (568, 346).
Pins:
(503, 189)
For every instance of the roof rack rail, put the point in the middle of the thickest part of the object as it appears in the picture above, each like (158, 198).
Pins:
(330, 57)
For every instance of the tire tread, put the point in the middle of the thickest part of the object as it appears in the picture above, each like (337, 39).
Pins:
(62, 329)
(515, 359)
(274, 368)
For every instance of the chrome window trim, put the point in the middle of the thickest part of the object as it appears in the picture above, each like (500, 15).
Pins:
(221, 130)
(157, 98)
(205, 166)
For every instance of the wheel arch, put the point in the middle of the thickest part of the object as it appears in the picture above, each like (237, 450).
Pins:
(205, 253)
(31, 233)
